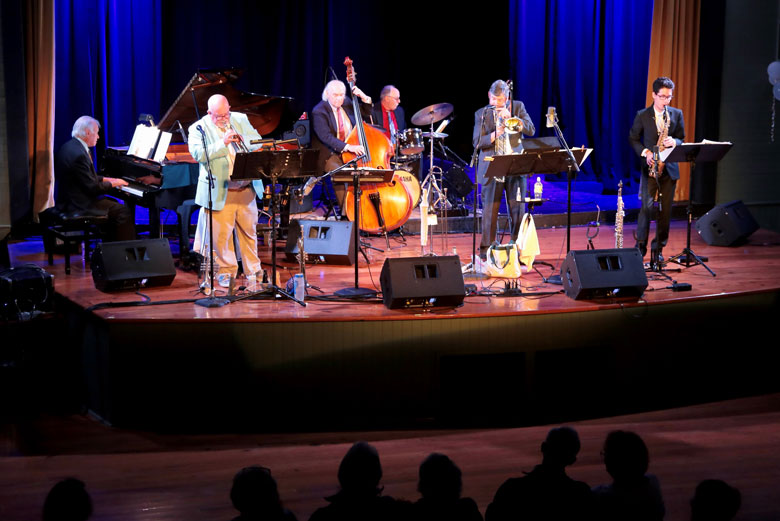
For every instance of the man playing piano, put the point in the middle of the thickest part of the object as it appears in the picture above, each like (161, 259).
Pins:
(234, 202)
(80, 188)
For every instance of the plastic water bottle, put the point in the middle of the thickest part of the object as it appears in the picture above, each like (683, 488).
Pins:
(538, 188)
(299, 286)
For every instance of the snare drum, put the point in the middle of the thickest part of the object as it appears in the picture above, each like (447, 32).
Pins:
(410, 142)
(412, 185)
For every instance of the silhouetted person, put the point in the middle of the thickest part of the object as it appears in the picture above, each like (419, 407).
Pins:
(68, 500)
(440, 486)
(360, 497)
(255, 495)
(715, 500)
(546, 492)
(633, 494)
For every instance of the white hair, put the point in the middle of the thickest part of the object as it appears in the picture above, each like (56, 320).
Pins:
(329, 88)
(82, 124)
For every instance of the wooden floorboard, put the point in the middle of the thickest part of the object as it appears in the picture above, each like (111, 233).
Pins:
(749, 268)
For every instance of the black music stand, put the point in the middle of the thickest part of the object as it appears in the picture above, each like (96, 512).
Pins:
(359, 176)
(541, 161)
(275, 164)
(693, 153)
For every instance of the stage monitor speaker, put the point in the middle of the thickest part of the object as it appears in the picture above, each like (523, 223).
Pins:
(301, 131)
(131, 264)
(457, 182)
(726, 225)
(591, 274)
(331, 242)
(422, 282)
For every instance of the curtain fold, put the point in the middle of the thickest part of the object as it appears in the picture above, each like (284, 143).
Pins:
(674, 52)
(40, 80)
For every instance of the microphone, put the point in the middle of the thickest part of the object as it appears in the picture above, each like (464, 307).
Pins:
(200, 129)
(551, 117)
(309, 185)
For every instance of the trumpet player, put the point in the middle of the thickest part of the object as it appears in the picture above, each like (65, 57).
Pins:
(493, 124)
(234, 203)
(663, 126)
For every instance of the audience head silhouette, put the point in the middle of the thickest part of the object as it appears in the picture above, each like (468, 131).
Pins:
(715, 500)
(440, 478)
(625, 455)
(360, 470)
(255, 494)
(68, 500)
(561, 447)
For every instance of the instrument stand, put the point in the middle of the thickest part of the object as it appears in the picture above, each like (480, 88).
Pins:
(692, 152)
(356, 291)
(211, 301)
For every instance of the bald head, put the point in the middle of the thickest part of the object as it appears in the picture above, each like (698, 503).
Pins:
(390, 97)
(219, 109)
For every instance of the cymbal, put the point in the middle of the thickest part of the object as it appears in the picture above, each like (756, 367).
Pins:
(432, 114)
(435, 135)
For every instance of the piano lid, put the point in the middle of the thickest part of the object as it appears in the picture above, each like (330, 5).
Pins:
(264, 112)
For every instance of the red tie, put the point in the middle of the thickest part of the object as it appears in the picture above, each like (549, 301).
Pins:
(342, 135)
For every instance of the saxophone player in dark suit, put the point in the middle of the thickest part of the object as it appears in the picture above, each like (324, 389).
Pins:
(649, 125)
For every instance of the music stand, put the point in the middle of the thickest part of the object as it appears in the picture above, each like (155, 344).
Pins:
(541, 161)
(359, 176)
(275, 164)
(693, 152)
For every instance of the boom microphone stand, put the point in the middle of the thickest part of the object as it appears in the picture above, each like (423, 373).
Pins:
(212, 301)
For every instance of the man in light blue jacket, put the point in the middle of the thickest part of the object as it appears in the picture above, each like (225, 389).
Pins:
(234, 202)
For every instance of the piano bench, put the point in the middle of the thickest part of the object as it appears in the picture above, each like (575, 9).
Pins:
(72, 228)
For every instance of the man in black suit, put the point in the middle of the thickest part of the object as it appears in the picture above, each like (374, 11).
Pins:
(80, 188)
(334, 118)
(648, 125)
(485, 137)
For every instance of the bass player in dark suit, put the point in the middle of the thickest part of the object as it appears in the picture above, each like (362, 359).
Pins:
(80, 188)
(333, 119)
(662, 126)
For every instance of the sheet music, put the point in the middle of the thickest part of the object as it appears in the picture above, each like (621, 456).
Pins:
(144, 142)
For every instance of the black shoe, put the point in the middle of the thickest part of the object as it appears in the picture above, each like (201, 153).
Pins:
(642, 247)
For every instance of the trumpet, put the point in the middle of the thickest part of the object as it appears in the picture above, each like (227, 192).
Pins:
(238, 145)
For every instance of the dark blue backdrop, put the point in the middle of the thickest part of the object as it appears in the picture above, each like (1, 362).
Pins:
(587, 57)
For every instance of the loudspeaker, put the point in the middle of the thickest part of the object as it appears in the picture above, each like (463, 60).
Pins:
(331, 242)
(590, 274)
(301, 131)
(726, 225)
(422, 282)
(130, 264)
(457, 182)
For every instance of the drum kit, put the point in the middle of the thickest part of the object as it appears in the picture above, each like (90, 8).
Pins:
(410, 147)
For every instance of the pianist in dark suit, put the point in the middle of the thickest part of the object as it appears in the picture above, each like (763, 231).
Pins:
(81, 189)
(234, 201)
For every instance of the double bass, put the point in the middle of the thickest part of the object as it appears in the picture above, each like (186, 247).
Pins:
(384, 207)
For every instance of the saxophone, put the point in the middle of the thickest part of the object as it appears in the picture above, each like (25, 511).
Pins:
(658, 166)
(619, 217)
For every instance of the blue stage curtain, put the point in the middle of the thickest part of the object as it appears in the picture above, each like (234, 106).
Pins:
(108, 65)
(589, 59)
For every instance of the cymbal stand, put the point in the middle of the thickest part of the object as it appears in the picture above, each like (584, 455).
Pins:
(438, 198)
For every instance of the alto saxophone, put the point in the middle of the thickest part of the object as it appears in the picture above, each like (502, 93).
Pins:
(658, 166)
(619, 217)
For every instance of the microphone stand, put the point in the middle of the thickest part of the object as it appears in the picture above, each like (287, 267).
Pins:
(552, 118)
(212, 301)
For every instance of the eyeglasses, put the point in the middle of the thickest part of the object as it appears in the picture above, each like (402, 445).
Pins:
(220, 116)
(664, 96)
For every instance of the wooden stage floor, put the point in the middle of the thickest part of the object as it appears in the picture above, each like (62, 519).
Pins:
(747, 269)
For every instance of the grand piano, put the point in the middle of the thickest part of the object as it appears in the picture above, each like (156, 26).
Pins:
(171, 184)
